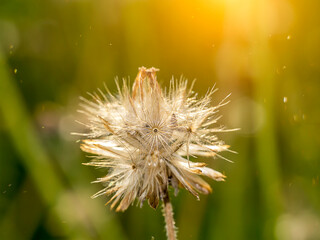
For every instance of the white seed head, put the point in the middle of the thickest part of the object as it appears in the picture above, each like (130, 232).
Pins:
(144, 137)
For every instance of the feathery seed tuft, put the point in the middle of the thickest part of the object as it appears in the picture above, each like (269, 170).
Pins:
(144, 137)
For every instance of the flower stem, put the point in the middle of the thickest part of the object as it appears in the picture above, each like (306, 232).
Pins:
(168, 216)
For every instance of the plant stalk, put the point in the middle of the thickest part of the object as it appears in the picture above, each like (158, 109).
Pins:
(168, 217)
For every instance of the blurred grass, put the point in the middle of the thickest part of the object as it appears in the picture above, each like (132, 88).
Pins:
(265, 52)
(47, 181)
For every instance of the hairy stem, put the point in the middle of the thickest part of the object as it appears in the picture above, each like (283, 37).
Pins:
(168, 216)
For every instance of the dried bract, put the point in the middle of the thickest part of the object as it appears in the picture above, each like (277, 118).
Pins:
(144, 137)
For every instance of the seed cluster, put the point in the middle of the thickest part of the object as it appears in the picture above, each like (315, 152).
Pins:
(145, 137)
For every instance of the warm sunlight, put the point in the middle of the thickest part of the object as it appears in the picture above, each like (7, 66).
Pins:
(264, 52)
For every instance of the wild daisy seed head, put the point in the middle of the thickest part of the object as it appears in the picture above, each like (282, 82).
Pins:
(144, 137)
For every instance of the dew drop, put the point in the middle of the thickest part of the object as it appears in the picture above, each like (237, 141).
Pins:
(285, 99)
(15, 71)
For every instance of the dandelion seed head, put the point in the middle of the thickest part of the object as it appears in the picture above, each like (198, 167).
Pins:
(145, 137)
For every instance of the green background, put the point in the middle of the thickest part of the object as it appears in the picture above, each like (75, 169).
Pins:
(266, 53)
